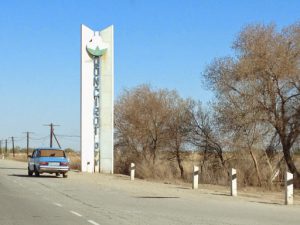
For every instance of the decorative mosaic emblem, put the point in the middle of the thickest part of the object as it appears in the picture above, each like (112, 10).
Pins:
(96, 46)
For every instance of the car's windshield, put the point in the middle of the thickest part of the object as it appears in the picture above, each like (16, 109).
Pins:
(52, 153)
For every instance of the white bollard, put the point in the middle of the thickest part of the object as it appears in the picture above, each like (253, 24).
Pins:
(289, 188)
(195, 177)
(132, 171)
(233, 181)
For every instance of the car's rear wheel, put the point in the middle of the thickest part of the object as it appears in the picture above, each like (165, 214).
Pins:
(65, 175)
(29, 172)
(36, 173)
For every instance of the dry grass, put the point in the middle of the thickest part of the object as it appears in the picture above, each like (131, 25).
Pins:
(75, 162)
(211, 170)
(22, 157)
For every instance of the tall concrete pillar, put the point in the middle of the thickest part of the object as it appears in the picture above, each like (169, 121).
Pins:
(97, 88)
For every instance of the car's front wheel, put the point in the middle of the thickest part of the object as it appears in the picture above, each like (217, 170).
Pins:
(65, 175)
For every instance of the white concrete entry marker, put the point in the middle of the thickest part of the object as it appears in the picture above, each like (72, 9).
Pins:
(289, 188)
(97, 88)
(195, 177)
(132, 171)
(233, 182)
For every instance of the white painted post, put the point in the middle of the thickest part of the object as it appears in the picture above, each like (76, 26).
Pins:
(289, 188)
(132, 171)
(233, 181)
(195, 177)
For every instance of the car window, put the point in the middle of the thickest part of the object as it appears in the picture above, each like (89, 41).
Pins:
(52, 153)
(33, 154)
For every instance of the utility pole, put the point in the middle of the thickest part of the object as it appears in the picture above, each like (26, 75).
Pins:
(1, 147)
(27, 137)
(5, 146)
(51, 125)
(13, 146)
(51, 135)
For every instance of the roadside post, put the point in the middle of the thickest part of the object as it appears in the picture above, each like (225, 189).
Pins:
(132, 171)
(233, 182)
(289, 188)
(195, 177)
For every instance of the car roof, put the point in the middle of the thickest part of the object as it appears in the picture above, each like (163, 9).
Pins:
(47, 148)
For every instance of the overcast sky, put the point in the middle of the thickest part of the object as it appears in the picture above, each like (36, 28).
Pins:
(163, 43)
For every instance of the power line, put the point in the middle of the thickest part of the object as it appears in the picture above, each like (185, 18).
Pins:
(66, 135)
(37, 139)
(28, 138)
(16, 139)
(69, 139)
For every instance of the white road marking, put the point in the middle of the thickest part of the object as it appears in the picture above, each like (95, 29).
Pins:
(93, 222)
(57, 204)
(76, 213)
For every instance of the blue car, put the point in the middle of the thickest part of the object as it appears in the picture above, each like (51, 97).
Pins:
(48, 160)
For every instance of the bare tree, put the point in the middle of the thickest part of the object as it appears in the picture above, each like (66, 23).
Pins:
(261, 82)
(152, 122)
(178, 130)
(141, 120)
(205, 133)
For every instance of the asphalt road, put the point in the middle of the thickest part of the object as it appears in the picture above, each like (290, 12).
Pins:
(105, 199)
